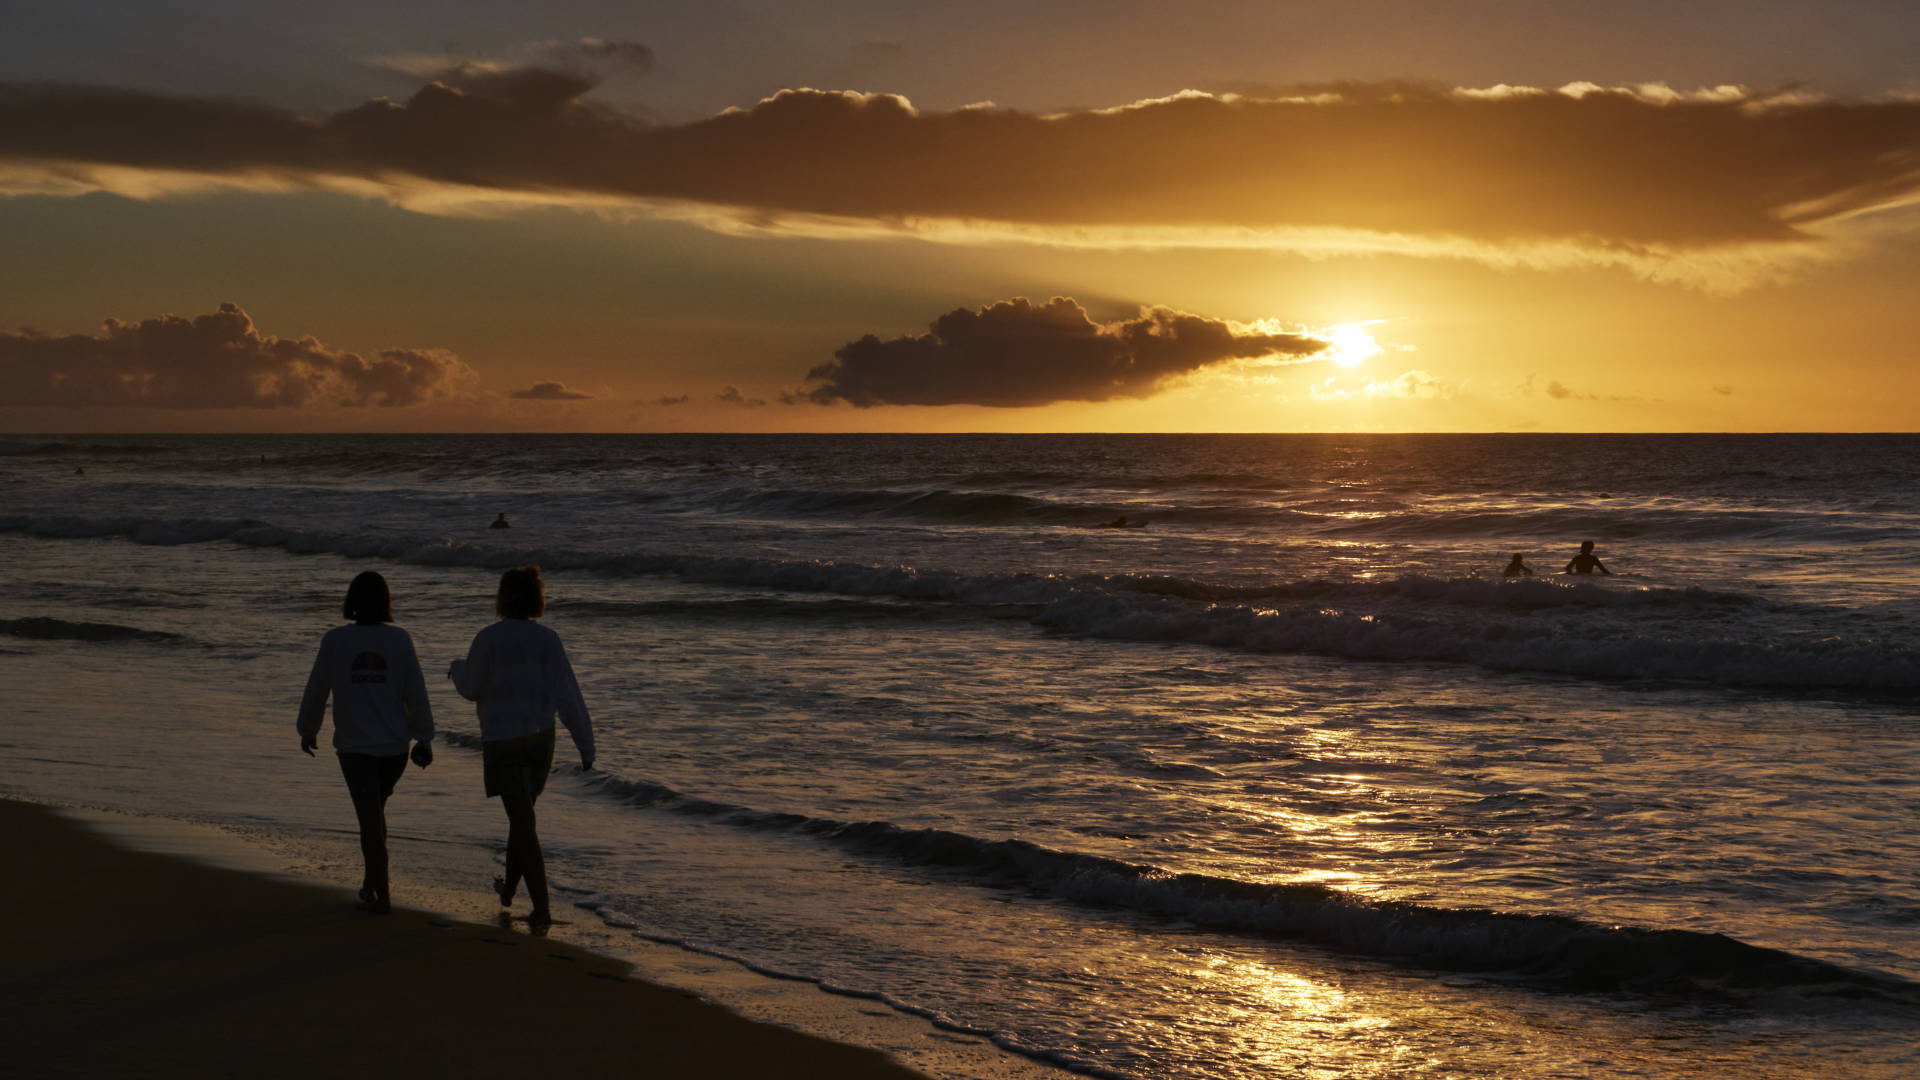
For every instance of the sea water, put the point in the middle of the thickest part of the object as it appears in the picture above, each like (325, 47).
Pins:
(1283, 778)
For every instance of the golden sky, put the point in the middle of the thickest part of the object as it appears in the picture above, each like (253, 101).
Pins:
(843, 217)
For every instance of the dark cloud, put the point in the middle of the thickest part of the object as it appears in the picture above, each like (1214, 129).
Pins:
(549, 391)
(1723, 389)
(543, 91)
(216, 361)
(1604, 170)
(667, 402)
(630, 57)
(732, 396)
(1013, 353)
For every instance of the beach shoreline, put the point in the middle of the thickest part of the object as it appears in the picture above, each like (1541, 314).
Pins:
(205, 961)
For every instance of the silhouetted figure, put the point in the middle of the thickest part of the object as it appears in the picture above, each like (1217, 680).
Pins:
(1586, 562)
(500, 523)
(379, 700)
(1518, 568)
(518, 672)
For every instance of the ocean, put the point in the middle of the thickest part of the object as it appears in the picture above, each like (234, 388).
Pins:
(1282, 778)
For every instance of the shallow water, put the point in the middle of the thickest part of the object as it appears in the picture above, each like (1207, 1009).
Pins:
(1286, 779)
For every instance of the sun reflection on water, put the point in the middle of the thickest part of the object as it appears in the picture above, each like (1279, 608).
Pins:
(1287, 1023)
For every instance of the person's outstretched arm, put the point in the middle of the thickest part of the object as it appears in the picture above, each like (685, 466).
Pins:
(1602, 567)
(313, 703)
(573, 707)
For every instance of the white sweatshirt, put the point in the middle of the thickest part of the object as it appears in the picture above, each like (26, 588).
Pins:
(379, 696)
(518, 671)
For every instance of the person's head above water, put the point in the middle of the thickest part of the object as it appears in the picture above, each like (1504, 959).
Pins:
(1586, 546)
(1516, 557)
(522, 594)
(368, 599)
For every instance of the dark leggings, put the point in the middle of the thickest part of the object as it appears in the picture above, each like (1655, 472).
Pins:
(524, 858)
(370, 781)
(372, 813)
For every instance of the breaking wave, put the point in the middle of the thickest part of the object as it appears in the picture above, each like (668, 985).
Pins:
(45, 629)
(1547, 949)
(1585, 628)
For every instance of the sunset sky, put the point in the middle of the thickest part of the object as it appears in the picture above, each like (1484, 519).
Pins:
(583, 215)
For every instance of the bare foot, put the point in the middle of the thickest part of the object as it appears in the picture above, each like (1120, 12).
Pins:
(505, 894)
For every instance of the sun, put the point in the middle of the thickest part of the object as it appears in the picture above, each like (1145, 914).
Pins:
(1350, 344)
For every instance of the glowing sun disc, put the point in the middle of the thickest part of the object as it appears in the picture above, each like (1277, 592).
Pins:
(1351, 345)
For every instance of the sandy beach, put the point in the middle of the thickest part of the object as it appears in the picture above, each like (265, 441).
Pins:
(127, 963)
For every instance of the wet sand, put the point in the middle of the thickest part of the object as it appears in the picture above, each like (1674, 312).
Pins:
(123, 962)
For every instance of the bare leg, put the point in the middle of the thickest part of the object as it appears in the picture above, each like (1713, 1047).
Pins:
(372, 813)
(524, 858)
(509, 884)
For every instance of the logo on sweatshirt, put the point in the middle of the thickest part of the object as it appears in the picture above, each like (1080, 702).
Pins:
(369, 667)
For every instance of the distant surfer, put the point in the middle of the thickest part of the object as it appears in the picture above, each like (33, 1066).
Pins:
(1584, 563)
(372, 674)
(1121, 522)
(500, 523)
(1519, 568)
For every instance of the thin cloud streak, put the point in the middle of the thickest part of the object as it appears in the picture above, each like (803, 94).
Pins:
(731, 395)
(549, 391)
(1641, 170)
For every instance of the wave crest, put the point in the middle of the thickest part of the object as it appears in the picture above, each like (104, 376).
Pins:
(1548, 949)
(1579, 628)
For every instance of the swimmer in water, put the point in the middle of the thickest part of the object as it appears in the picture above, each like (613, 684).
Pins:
(1586, 562)
(1517, 568)
(500, 523)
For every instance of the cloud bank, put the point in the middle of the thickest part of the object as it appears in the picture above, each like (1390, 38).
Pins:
(217, 361)
(1013, 353)
(1595, 172)
(1604, 170)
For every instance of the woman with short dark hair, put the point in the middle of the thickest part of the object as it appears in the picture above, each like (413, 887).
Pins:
(518, 672)
(370, 671)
